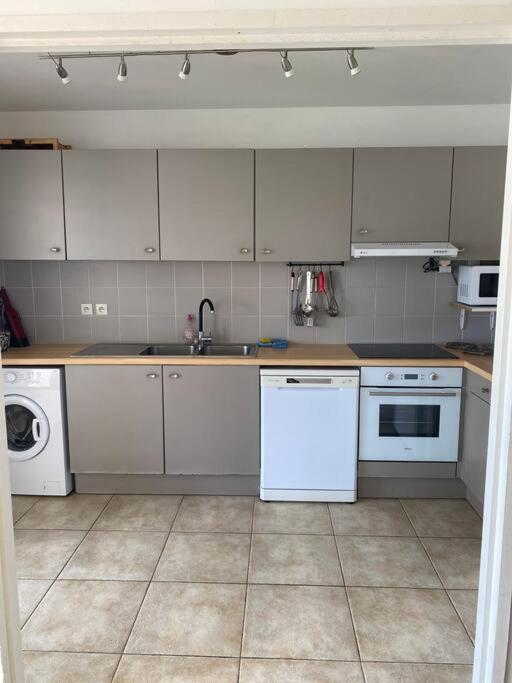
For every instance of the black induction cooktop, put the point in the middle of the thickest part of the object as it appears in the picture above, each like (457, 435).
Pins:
(400, 351)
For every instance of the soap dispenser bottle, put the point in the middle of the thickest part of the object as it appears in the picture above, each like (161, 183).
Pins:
(190, 333)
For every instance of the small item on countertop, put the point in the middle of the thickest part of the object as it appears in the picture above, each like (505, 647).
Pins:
(190, 333)
(473, 349)
(18, 336)
(267, 342)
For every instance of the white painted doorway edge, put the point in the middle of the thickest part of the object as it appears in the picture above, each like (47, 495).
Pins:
(420, 25)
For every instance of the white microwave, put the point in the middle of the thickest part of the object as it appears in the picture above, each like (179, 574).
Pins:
(478, 285)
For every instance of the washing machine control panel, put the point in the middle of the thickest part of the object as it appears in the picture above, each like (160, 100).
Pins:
(28, 377)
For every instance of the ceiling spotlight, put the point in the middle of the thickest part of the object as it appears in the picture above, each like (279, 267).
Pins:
(61, 71)
(286, 64)
(353, 64)
(185, 68)
(122, 72)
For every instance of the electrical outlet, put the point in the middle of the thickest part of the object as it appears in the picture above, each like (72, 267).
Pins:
(86, 309)
(101, 309)
(445, 269)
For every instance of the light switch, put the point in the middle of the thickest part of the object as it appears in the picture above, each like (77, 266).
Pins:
(86, 309)
(101, 309)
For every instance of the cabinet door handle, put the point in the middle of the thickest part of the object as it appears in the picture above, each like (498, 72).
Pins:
(150, 250)
(266, 251)
(55, 250)
(152, 375)
(245, 250)
(175, 375)
(363, 231)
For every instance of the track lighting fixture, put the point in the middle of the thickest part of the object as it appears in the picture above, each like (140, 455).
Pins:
(353, 64)
(62, 73)
(286, 64)
(185, 68)
(184, 73)
(122, 72)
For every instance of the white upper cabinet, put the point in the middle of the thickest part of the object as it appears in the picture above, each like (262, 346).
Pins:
(31, 212)
(206, 204)
(402, 194)
(111, 204)
(303, 204)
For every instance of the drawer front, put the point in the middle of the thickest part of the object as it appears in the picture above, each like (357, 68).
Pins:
(479, 386)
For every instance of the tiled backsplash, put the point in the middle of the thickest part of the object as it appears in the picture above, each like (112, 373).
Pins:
(382, 300)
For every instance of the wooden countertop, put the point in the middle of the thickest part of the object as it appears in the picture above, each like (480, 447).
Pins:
(295, 355)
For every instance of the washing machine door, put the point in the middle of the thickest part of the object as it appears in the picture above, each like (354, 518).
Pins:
(28, 429)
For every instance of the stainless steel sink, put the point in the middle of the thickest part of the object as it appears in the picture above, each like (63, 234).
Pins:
(168, 350)
(229, 350)
(113, 349)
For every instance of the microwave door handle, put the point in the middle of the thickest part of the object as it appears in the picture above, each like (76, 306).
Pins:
(441, 394)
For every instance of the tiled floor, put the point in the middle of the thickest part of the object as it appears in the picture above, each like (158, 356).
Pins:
(207, 588)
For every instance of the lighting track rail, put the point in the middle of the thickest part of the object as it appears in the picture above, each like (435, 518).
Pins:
(184, 73)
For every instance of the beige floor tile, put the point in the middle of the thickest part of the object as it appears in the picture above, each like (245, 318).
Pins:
(160, 669)
(444, 518)
(77, 511)
(386, 561)
(30, 592)
(370, 517)
(408, 624)
(139, 513)
(42, 554)
(466, 605)
(202, 619)
(298, 622)
(214, 557)
(417, 673)
(456, 559)
(291, 518)
(21, 504)
(117, 556)
(294, 558)
(215, 513)
(84, 616)
(68, 667)
(289, 671)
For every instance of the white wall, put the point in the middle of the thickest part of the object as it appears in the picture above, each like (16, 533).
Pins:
(292, 127)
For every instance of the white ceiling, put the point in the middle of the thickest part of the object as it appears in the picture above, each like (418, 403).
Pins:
(390, 76)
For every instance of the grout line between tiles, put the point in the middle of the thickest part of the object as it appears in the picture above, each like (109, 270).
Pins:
(437, 573)
(53, 581)
(242, 635)
(150, 582)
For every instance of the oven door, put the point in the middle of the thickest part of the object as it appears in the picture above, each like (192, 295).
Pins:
(418, 425)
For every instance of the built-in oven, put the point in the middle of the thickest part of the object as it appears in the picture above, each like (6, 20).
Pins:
(410, 414)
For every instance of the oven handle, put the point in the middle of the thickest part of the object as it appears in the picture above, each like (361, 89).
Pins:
(443, 394)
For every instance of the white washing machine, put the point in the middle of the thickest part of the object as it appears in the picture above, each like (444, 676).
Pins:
(35, 415)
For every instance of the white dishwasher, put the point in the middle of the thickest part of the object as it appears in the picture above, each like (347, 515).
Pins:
(309, 426)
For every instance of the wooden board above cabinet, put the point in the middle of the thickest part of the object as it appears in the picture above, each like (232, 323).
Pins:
(303, 204)
(111, 204)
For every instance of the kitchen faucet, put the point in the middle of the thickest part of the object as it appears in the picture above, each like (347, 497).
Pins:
(201, 336)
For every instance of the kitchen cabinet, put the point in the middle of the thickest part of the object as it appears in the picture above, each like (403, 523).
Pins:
(303, 204)
(115, 419)
(111, 204)
(477, 201)
(31, 205)
(206, 204)
(402, 194)
(474, 437)
(211, 418)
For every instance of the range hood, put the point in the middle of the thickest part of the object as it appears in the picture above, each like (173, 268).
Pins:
(442, 249)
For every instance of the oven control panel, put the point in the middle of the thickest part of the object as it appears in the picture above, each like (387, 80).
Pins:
(411, 377)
